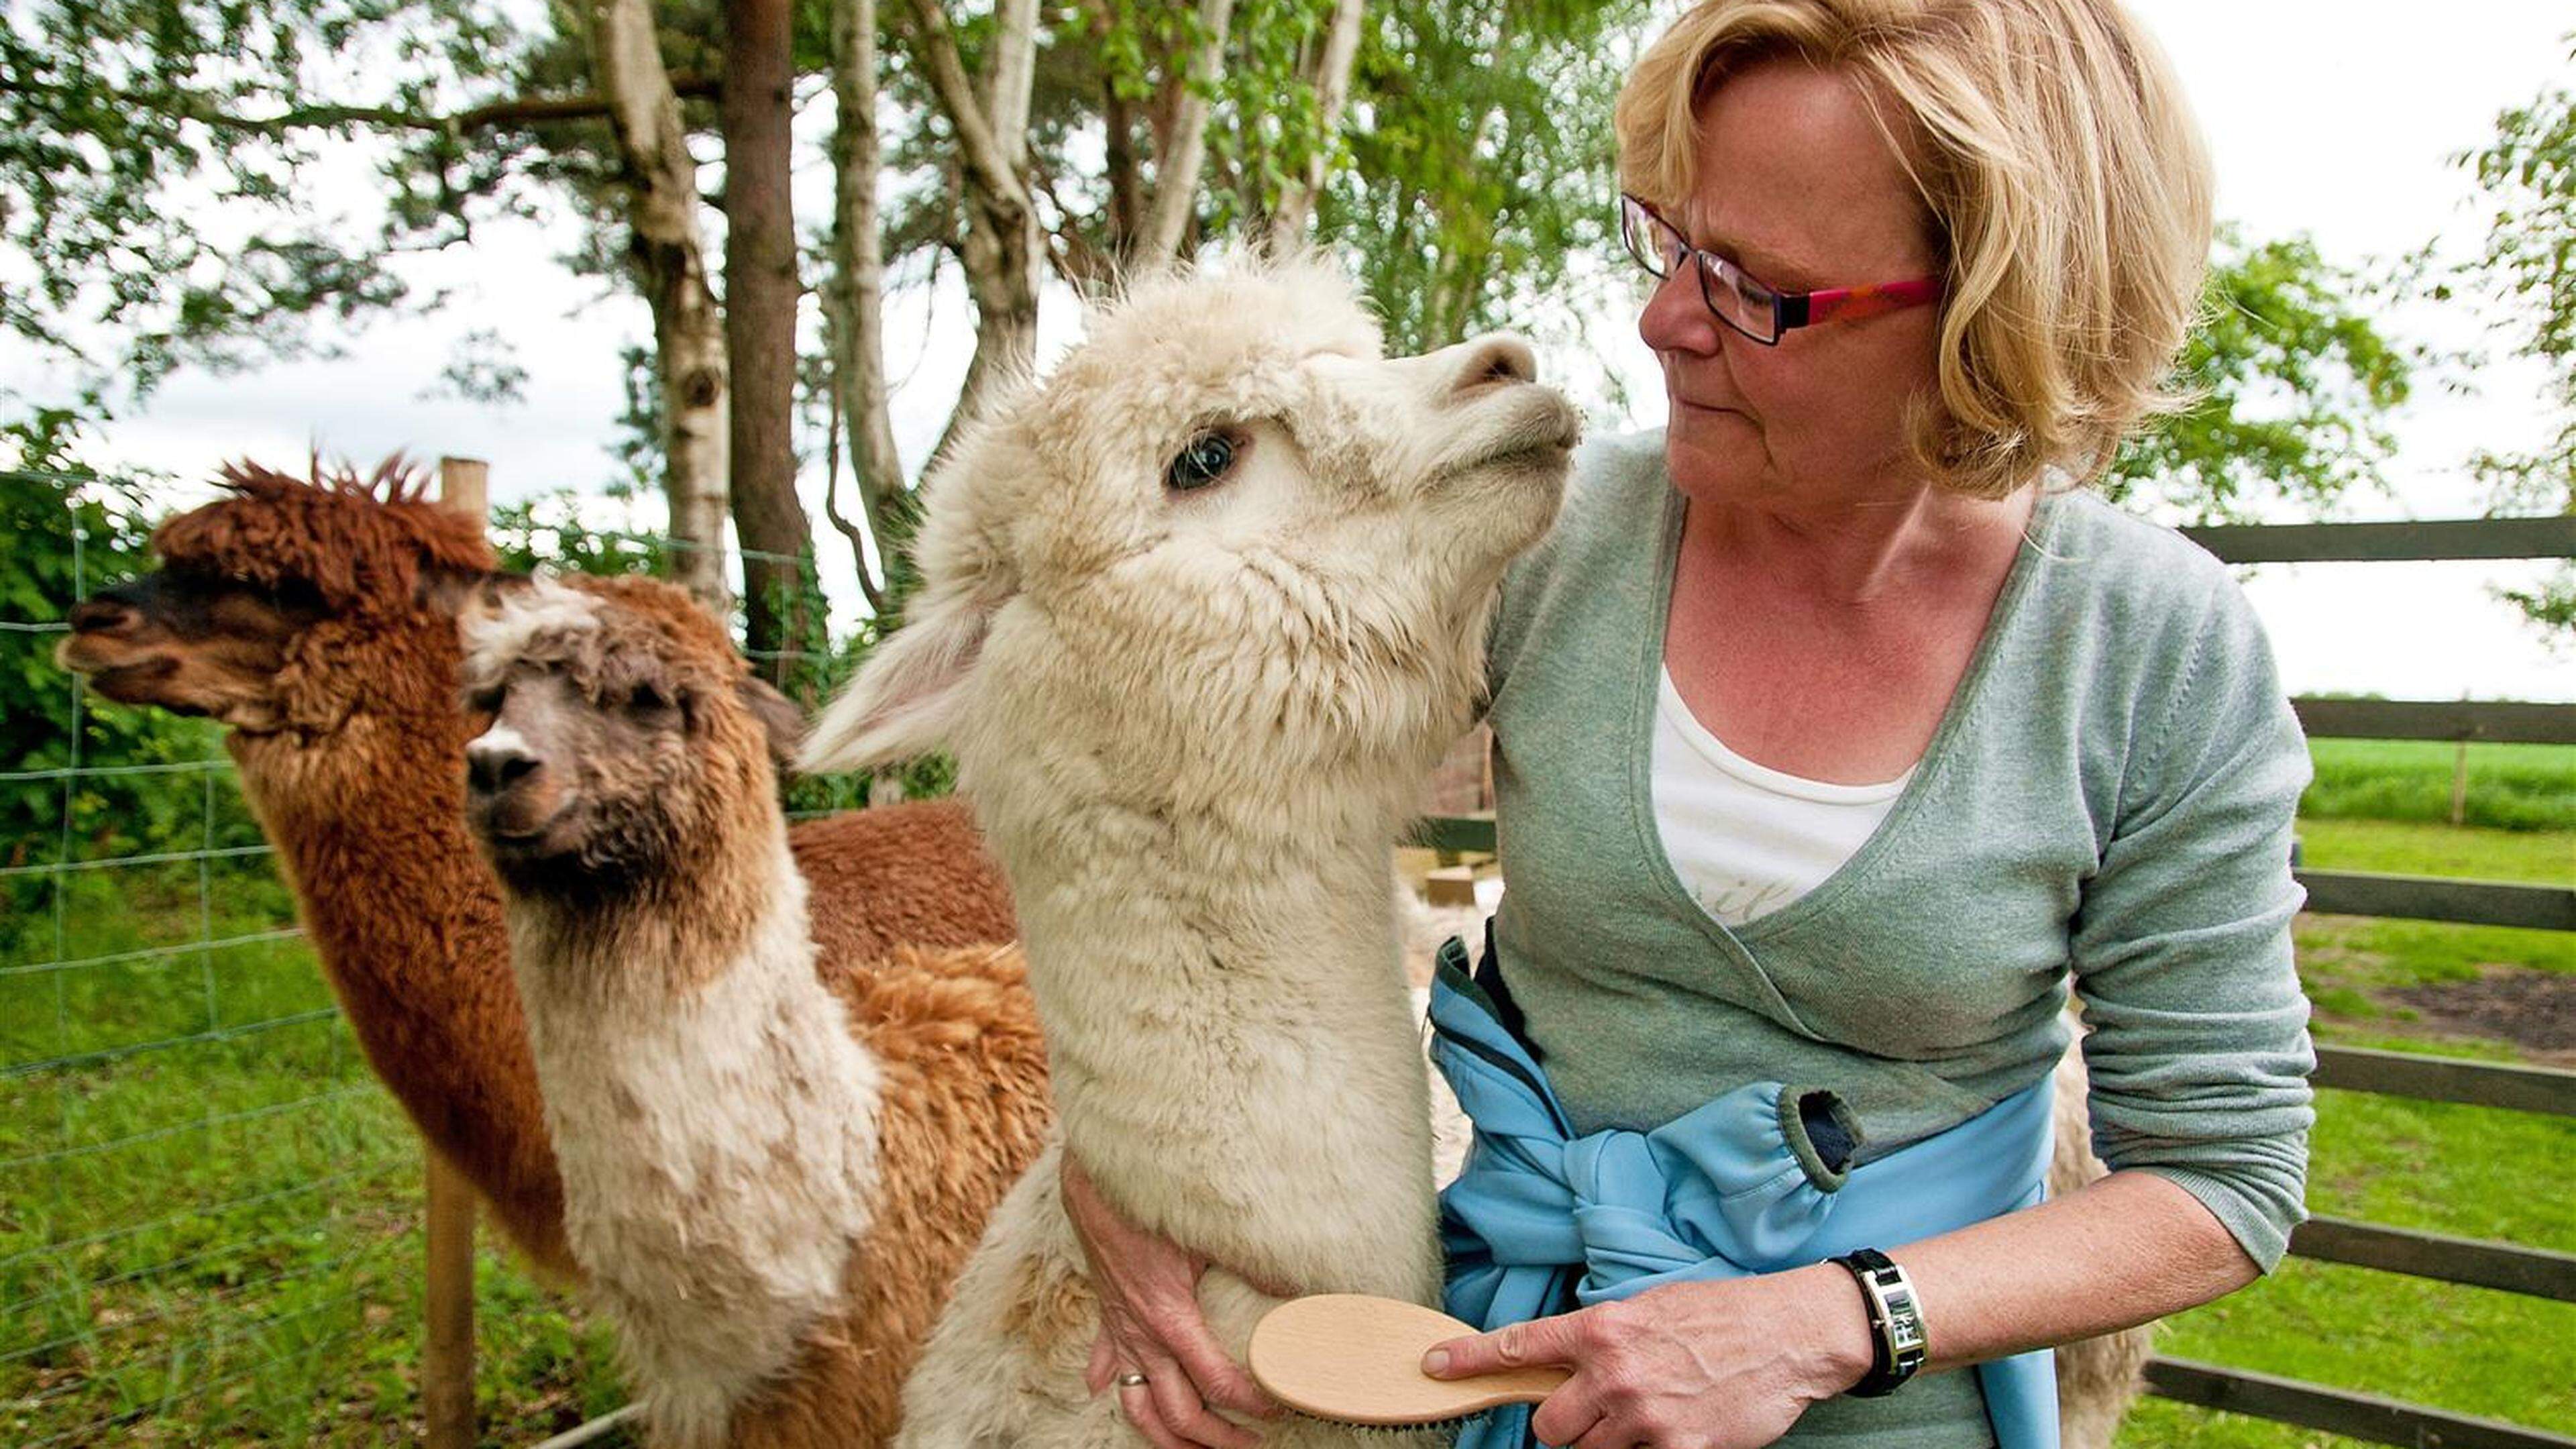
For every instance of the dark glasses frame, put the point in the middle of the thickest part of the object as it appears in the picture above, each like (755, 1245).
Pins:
(1659, 246)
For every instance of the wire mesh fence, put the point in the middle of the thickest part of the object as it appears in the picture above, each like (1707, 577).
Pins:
(209, 1208)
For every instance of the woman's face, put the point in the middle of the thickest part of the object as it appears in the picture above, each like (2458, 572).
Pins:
(1798, 187)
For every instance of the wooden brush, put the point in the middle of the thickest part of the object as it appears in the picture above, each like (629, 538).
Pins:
(1354, 1359)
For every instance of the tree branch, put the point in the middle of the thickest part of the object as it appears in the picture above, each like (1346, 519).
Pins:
(1176, 171)
(1331, 78)
(517, 111)
(854, 301)
(984, 153)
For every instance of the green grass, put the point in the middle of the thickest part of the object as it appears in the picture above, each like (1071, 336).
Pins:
(2536, 857)
(2458, 1170)
(209, 1210)
(2511, 787)
(2347, 958)
(2450, 1169)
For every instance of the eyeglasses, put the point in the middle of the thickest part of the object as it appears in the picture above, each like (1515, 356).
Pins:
(1745, 304)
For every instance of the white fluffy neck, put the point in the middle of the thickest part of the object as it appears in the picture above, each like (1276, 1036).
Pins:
(716, 1123)
(1230, 1041)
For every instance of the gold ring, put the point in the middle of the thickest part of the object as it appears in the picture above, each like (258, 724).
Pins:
(1131, 1380)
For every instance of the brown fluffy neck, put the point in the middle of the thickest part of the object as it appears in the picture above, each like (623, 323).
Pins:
(406, 920)
(669, 929)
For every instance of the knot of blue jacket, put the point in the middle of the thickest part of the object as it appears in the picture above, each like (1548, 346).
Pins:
(1544, 1220)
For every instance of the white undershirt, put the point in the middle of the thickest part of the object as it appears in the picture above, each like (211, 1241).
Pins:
(1744, 838)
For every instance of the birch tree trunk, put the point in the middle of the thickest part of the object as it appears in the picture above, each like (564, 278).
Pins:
(856, 298)
(1176, 169)
(669, 256)
(1003, 248)
(760, 327)
(1331, 78)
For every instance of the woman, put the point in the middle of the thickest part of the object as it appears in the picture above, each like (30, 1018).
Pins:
(1837, 736)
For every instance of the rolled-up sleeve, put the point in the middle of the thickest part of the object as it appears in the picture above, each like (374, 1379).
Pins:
(2199, 1049)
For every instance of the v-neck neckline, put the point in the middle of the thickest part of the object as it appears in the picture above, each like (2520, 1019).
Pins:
(1927, 773)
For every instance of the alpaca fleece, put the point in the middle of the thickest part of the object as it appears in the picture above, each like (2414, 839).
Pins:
(352, 753)
(771, 1180)
(1198, 615)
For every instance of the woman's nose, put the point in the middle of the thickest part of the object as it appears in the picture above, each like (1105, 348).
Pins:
(1677, 319)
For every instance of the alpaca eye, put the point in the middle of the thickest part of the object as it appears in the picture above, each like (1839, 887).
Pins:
(1208, 458)
(651, 708)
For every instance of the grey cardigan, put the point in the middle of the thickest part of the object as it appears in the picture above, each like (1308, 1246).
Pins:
(2108, 798)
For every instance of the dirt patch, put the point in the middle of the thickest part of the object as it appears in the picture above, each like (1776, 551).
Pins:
(2534, 1010)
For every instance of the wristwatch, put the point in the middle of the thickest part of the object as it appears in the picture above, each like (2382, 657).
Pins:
(1896, 1337)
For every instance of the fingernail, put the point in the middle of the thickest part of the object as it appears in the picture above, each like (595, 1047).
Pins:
(1436, 1362)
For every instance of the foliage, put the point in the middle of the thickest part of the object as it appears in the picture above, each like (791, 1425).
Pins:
(2287, 382)
(2510, 787)
(1481, 159)
(126, 124)
(72, 532)
(2528, 176)
(560, 530)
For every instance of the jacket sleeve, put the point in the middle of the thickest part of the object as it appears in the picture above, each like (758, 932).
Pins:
(2199, 1050)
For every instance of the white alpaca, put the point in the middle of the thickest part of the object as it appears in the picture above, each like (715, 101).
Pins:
(1199, 615)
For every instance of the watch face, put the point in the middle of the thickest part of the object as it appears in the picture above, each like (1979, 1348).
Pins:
(1904, 1320)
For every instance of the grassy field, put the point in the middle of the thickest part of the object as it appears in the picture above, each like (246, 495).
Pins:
(2458, 1170)
(208, 1209)
(2510, 787)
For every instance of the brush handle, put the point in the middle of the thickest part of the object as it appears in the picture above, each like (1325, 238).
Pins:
(1355, 1359)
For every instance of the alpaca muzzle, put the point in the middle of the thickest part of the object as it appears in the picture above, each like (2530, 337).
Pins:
(511, 797)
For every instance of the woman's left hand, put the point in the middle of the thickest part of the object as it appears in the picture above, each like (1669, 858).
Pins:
(1721, 1365)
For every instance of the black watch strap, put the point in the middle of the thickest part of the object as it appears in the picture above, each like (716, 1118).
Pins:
(1896, 1338)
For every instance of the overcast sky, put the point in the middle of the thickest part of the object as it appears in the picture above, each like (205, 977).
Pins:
(2335, 119)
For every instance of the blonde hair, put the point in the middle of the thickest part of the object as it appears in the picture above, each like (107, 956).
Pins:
(2066, 186)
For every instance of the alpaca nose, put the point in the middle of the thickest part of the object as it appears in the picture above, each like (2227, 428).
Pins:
(1488, 361)
(498, 759)
(102, 614)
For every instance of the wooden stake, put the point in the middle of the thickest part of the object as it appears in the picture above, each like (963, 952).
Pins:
(447, 1356)
(2460, 786)
(447, 1351)
(465, 484)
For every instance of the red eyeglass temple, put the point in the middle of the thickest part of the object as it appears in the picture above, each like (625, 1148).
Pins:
(1848, 303)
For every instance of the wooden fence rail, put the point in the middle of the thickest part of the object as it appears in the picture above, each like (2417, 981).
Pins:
(2487, 721)
(2337, 1411)
(2424, 542)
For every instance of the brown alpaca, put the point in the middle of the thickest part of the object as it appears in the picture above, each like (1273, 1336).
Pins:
(770, 1183)
(318, 621)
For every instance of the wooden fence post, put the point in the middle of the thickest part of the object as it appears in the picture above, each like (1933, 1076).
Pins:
(447, 1354)
(2460, 787)
(447, 1351)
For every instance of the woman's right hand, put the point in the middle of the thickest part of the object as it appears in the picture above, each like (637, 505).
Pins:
(1150, 1324)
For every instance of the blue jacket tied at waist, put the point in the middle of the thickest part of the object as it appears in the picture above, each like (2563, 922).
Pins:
(1542, 1221)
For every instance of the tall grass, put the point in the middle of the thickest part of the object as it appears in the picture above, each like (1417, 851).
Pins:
(209, 1210)
(2510, 787)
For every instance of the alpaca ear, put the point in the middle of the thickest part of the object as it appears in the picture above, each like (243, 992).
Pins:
(779, 716)
(461, 593)
(906, 697)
